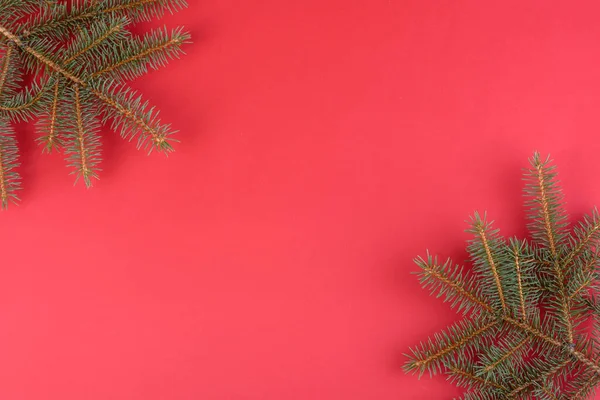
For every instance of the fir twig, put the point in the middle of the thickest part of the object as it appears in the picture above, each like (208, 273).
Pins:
(521, 342)
(81, 55)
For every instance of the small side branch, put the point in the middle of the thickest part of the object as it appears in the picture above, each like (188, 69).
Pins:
(5, 68)
(492, 265)
(519, 282)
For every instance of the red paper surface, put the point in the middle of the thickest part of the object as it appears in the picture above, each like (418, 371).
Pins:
(324, 144)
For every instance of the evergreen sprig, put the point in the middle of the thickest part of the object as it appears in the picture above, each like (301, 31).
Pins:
(531, 317)
(78, 56)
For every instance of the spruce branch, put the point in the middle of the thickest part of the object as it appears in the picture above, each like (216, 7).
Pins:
(485, 252)
(10, 181)
(516, 250)
(503, 353)
(4, 69)
(583, 386)
(60, 21)
(48, 124)
(525, 304)
(431, 357)
(462, 373)
(450, 281)
(81, 55)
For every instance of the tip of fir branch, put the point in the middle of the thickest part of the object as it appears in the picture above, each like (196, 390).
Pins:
(537, 161)
(478, 222)
(49, 144)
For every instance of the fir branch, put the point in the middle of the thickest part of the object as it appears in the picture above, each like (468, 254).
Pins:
(584, 386)
(4, 68)
(586, 361)
(504, 354)
(431, 356)
(546, 393)
(588, 233)
(480, 395)
(534, 331)
(15, 9)
(81, 55)
(133, 114)
(535, 346)
(517, 258)
(469, 376)
(585, 278)
(82, 158)
(24, 105)
(10, 182)
(39, 56)
(539, 379)
(133, 117)
(486, 250)
(96, 36)
(50, 124)
(451, 282)
(546, 210)
(60, 21)
(549, 201)
(481, 230)
(155, 50)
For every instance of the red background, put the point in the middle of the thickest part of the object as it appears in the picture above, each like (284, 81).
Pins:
(323, 145)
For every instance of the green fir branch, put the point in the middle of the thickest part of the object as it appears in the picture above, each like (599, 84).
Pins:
(10, 181)
(431, 356)
(81, 55)
(485, 251)
(450, 281)
(525, 305)
(59, 21)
